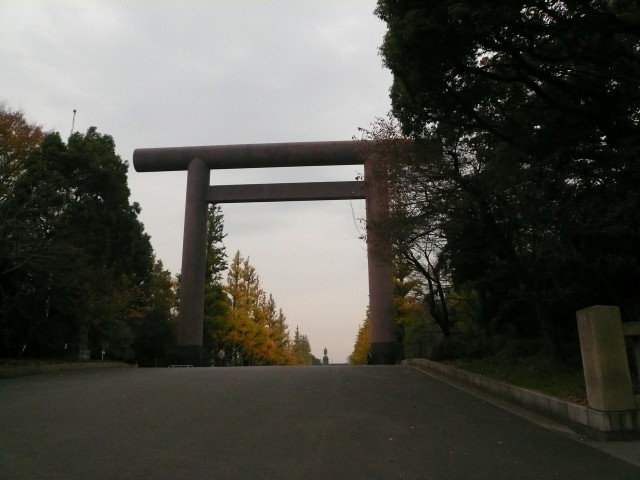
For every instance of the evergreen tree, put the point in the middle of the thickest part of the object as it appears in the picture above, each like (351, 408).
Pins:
(279, 333)
(216, 303)
(155, 314)
(301, 349)
(74, 255)
(524, 117)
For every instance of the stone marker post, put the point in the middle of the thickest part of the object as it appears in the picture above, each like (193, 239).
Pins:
(604, 359)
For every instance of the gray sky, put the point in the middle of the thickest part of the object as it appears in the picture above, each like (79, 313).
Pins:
(176, 73)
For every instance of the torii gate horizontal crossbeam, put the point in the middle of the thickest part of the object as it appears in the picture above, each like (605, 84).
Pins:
(263, 155)
(286, 192)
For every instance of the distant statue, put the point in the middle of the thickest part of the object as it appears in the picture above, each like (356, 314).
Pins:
(325, 359)
(325, 351)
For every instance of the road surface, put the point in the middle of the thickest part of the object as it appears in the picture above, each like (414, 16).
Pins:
(335, 422)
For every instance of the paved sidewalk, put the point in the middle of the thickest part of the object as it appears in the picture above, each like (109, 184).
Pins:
(628, 451)
(593, 423)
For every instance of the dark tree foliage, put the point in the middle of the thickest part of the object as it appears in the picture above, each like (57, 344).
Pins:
(535, 108)
(155, 319)
(77, 268)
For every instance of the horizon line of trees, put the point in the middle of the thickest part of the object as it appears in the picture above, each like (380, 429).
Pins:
(78, 274)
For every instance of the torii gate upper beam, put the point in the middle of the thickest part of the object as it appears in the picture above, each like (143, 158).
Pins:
(260, 155)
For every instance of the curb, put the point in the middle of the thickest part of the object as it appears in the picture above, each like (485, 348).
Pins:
(580, 418)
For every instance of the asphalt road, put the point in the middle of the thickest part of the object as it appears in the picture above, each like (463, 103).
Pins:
(336, 422)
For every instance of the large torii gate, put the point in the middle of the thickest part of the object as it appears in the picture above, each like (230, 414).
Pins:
(200, 160)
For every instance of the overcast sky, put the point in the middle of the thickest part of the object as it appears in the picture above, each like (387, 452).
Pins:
(174, 73)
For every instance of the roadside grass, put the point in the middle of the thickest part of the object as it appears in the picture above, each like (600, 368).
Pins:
(32, 362)
(536, 372)
(12, 367)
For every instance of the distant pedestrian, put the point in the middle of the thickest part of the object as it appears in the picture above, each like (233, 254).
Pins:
(221, 355)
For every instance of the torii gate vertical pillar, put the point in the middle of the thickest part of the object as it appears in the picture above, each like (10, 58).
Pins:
(381, 303)
(194, 259)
